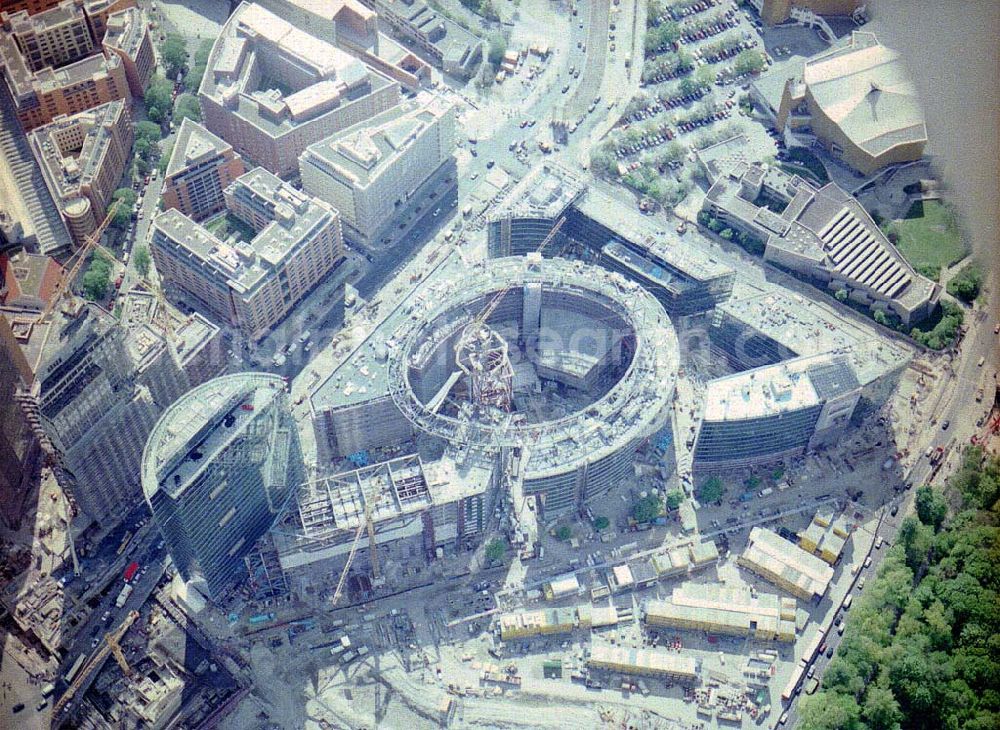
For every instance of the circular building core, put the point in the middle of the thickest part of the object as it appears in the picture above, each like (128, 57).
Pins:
(571, 365)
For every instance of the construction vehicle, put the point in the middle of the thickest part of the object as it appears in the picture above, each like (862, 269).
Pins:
(111, 645)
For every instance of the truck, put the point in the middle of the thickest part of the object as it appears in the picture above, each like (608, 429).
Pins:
(766, 491)
(130, 571)
(261, 618)
(123, 596)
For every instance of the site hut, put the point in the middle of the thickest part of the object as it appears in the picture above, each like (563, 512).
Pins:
(786, 565)
(649, 662)
(825, 536)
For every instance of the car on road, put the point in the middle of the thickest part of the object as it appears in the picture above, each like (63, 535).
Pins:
(829, 652)
(944, 426)
(878, 542)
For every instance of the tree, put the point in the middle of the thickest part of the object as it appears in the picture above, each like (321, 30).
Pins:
(601, 522)
(748, 61)
(187, 106)
(674, 499)
(829, 711)
(158, 98)
(148, 132)
(931, 507)
(564, 533)
(840, 295)
(497, 47)
(966, 284)
(879, 316)
(916, 539)
(880, 709)
(705, 76)
(165, 158)
(126, 198)
(97, 278)
(142, 260)
(711, 490)
(173, 53)
(496, 550)
(647, 508)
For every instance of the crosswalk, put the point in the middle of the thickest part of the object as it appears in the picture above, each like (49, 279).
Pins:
(50, 231)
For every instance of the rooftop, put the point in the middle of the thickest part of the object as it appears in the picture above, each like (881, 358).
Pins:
(544, 192)
(863, 87)
(781, 557)
(243, 265)
(27, 280)
(256, 48)
(126, 30)
(193, 144)
(67, 167)
(201, 424)
(788, 386)
(366, 150)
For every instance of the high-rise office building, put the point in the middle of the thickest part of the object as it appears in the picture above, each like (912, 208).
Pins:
(95, 413)
(216, 469)
(19, 449)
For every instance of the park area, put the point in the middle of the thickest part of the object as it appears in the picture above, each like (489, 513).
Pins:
(227, 225)
(929, 237)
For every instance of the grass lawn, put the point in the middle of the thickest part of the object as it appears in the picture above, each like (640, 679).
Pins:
(929, 237)
(226, 225)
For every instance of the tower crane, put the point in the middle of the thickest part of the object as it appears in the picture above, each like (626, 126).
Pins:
(111, 644)
(366, 525)
(71, 271)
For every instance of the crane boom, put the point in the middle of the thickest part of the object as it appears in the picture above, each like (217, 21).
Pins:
(80, 255)
(498, 297)
(110, 643)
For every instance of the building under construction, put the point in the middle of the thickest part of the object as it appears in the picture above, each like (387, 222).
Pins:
(408, 510)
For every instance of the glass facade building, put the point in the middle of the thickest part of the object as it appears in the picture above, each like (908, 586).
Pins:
(217, 468)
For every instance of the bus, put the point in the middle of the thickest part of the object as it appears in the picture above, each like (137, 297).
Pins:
(74, 670)
(125, 542)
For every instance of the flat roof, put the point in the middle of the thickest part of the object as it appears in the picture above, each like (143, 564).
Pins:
(772, 552)
(243, 265)
(193, 144)
(365, 151)
(194, 423)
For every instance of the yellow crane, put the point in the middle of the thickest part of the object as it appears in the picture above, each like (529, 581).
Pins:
(111, 644)
(366, 524)
(71, 270)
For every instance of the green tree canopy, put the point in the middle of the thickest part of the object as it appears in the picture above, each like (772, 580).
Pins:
(647, 509)
(187, 106)
(173, 53)
(931, 507)
(496, 550)
(674, 499)
(158, 98)
(711, 490)
(601, 522)
(97, 278)
(564, 533)
(141, 257)
(165, 157)
(748, 61)
(126, 198)
(497, 47)
(965, 285)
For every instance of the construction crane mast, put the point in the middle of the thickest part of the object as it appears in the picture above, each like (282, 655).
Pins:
(78, 257)
(366, 525)
(111, 644)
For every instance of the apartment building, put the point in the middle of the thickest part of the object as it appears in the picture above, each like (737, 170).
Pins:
(82, 158)
(271, 89)
(370, 172)
(282, 244)
(200, 168)
(53, 62)
(127, 36)
(29, 6)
